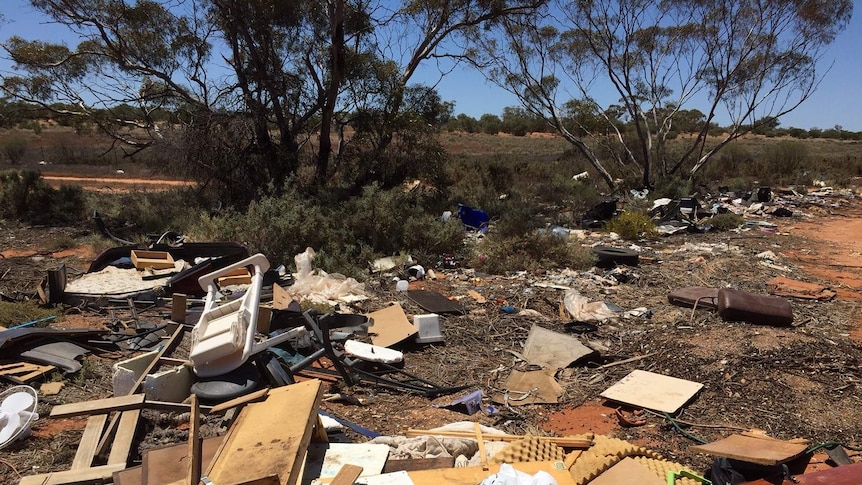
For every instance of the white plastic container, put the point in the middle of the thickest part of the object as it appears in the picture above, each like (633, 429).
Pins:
(429, 328)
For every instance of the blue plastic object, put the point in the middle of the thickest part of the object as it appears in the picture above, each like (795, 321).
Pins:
(473, 218)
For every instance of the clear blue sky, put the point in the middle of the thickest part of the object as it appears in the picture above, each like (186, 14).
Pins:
(838, 100)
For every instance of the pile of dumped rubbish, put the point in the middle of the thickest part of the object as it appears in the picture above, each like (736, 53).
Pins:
(208, 330)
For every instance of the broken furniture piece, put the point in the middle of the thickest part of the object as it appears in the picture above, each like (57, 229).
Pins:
(735, 306)
(224, 337)
(283, 366)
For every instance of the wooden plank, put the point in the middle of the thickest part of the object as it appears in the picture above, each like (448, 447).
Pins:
(84, 476)
(125, 435)
(627, 472)
(565, 442)
(178, 307)
(89, 442)
(416, 464)
(475, 474)
(652, 391)
(483, 456)
(115, 420)
(194, 472)
(347, 475)
(318, 435)
(98, 406)
(256, 450)
(169, 464)
(129, 476)
(753, 450)
(254, 396)
(24, 372)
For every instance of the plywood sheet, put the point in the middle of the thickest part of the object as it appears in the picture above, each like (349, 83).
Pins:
(391, 326)
(652, 391)
(169, 464)
(628, 472)
(269, 439)
(763, 451)
(552, 349)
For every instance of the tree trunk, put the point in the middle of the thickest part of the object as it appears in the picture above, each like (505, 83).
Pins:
(336, 17)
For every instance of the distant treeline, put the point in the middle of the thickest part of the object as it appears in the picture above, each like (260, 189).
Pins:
(518, 122)
(513, 120)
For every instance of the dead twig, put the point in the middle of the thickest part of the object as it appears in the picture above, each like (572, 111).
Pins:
(626, 361)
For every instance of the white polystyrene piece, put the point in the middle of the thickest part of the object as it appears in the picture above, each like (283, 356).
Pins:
(372, 353)
(429, 328)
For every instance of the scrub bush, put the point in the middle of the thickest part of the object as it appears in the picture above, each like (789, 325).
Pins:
(632, 226)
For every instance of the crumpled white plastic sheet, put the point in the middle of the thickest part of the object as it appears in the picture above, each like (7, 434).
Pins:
(583, 310)
(509, 476)
(319, 286)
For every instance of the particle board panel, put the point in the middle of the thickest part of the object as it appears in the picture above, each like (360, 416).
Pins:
(475, 474)
(89, 442)
(628, 472)
(98, 406)
(259, 452)
(391, 326)
(652, 391)
(763, 451)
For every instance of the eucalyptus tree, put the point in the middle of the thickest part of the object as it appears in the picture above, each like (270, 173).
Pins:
(254, 86)
(738, 60)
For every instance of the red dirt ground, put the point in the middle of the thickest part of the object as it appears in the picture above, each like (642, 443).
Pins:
(834, 256)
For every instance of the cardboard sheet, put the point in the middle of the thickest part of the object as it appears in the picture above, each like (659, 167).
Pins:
(390, 326)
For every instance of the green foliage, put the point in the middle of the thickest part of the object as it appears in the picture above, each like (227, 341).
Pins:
(136, 213)
(632, 226)
(16, 313)
(14, 147)
(345, 235)
(26, 196)
(672, 187)
(724, 222)
(786, 160)
(497, 254)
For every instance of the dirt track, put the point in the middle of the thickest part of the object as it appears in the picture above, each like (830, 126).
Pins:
(114, 184)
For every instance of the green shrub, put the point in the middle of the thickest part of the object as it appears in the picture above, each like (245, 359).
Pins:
(14, 147)
(27, 197)
(345, 235)
(529, 252)
(632, 226)
(724, 222)
(135, 213)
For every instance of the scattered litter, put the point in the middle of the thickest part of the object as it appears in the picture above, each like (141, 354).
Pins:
(51, 388)
(583, 310)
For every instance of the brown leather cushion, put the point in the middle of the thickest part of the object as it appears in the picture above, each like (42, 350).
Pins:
(702, 296)
(739, 306)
